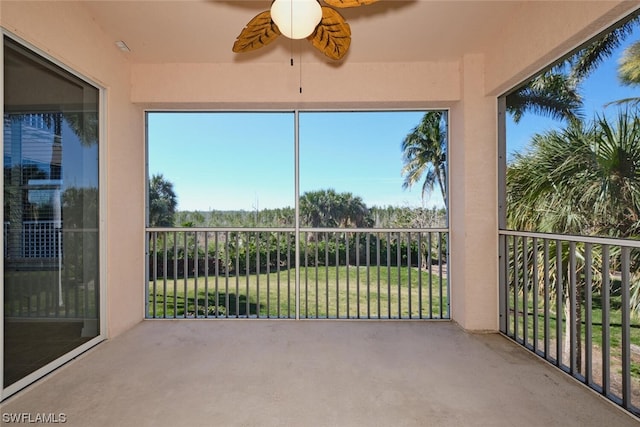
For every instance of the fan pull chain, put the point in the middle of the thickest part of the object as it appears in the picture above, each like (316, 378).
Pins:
(299, 66)
(300, 52)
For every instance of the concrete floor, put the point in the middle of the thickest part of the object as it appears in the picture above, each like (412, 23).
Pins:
(312, 373)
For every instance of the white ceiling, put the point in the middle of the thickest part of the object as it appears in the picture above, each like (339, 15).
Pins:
(194, 31)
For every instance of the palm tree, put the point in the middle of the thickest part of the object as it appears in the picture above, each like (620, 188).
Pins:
(629, 67)
(327, 208)
(313, 208)
(629, 72)
(587, 59)
(579, 180)
(352, 212)
(162, 202)
(555, 92)
(539, 187)
(584, 179)
(425, 154)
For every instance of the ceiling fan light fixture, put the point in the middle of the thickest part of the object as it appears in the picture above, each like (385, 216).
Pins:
(296, 19)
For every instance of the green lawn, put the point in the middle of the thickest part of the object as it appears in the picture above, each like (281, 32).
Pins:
(615, 321)
(334, 292)
(615, 338)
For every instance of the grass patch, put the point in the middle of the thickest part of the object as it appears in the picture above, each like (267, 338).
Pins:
(615, 321)
(526, 321)
(325, 292)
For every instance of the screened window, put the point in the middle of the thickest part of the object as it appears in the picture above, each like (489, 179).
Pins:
(355, 169)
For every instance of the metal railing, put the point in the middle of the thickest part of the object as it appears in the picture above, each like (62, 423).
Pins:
(61, 287)
(38, 239)
(325, 274)
(41, 239)
(571, 300)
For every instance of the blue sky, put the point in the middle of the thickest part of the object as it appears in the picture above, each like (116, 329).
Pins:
(600, 88)
(245, 161)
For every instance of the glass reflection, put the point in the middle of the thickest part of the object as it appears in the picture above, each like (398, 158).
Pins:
(51, 271)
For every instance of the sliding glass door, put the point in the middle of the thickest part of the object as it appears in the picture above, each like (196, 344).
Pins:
(51, 203)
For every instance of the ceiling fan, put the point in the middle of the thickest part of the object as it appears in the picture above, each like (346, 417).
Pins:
(323, 26)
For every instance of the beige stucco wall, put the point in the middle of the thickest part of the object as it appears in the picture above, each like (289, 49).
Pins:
(468, 86)
(473, 202)
(277, 85)
(543, 32)
(65, 32)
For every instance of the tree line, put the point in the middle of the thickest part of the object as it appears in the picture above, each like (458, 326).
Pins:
(321, 216)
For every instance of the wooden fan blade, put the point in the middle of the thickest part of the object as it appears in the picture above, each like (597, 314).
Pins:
(333, 35)
(348, 3)
(260, 31)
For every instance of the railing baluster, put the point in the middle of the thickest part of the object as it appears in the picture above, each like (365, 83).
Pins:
(503, 281)
(316, 252)
(516, 284)
(368, 258)
(164, 275)
(525, 291)
(429, 262)
(247, 266)
(420, 275)
(440, 278)
(606, 325)
(195, 274)
(547, 323)
(306, 275)
(378, 269)
(289, 275)
(278, 237)
(358, 276)
(185, 264)
(409, 307)
(399, 267)
(155, 274)
(337, 245)
(175, 274)
(588, 317)
(389, 275)
(346, 261)
(626, 328)
(305, 268)
(268, 272)
(258, 270)
(535, 291)
(206, 274)
(226, 274)
(508, 284)
(573, 310)
(559, 309)
(217, 269)
(326, 273)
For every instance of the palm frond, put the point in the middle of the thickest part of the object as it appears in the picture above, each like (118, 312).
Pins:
(550, 94)
(587, 59)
